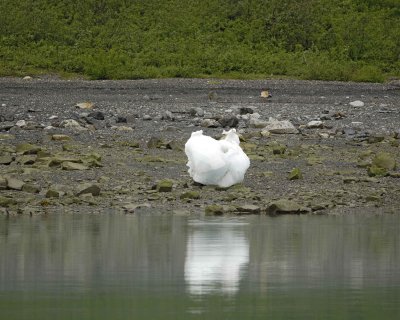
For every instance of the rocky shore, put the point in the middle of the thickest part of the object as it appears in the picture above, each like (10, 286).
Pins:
(117, 146)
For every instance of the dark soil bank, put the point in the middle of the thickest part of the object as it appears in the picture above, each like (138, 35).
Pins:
(95, 146)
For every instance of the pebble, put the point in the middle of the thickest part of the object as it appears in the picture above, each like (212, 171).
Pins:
(21, 123)
(147, 117)
(315, 124)
(357, 103)
(210, 123)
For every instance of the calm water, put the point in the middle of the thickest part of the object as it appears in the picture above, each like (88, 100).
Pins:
(163, 267)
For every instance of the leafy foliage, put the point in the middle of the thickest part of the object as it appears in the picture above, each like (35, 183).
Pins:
(113, 39)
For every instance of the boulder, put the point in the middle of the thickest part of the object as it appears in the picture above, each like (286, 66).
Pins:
(284, 206)
(88, 188)
(280, 127)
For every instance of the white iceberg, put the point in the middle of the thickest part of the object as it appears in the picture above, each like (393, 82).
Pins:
(216, 162)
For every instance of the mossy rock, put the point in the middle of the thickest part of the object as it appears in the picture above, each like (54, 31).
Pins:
(214, 210)
(27, 148)
(190, 195)
(31, 188)
(67, 165)
(278, 148)
(384, 160)
(164, 185)
(284, 206)
(295, 174)
(88, 188)
(6, 202)
(6, 159)
(377, 171)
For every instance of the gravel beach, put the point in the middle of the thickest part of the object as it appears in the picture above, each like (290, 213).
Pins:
(118, 146)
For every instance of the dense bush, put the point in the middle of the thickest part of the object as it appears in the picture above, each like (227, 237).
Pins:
(114, 39)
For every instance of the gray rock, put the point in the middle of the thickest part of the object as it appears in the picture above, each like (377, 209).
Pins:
(67, 165)
(246, 110)
(167, 115)
(357, 103)
(3, 183)
(210, 123)
(280, 127)
(196, 112)
(121, 119)
(72, 124)
(14, 184)
(315, 124)
(98, 115)
(88, 188)
(27, 148)
(147, 117)
(6, 159)
(230, 121)
(248, 209)
(284, 206)
(6, 202)
(164, 185)
(31, 188)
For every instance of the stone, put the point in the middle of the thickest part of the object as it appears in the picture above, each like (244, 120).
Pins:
(147, 117)
(52, 193)
(295, 174)
(98, 115)
(27, 148)
(278, 149)
(72, 124)
(27, 159)
(280, 127)
(67, 165)
(284, 206)
(246, 110)
(88, 188)
(190, 195)
(257, 123)
(248, 209)
(167, 115)
(122, 128)
(375, 138)
(85, 105)
(196, 112)
(60, 137)
(315, 124)
(164, 185)
(14, 184)
(210, 123)
(155, 142)
(229, 121)
(3, 183)
(214, 210)
(174, 145)
(31, 188)
(357, 103)
(21, 123)
(6, 160)
(27, 78)
(6, 136)
(6, 202)
(121, 119)
(377, 171)
(265, 94)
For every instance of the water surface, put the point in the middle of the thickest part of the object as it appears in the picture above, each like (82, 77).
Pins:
(166, 267)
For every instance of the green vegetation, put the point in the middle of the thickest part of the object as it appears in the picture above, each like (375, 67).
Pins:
(114, 39)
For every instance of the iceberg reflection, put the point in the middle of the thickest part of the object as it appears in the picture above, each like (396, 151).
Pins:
(215, 257)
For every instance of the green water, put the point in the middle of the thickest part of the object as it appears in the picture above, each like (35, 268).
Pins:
(165, 267)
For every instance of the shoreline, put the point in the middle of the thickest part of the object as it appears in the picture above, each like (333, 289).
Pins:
(126, 146)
